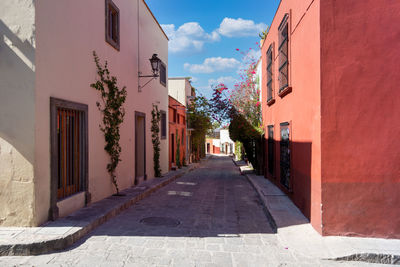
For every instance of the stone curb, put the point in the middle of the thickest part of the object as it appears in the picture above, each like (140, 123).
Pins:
(268, 214)
(84, 227)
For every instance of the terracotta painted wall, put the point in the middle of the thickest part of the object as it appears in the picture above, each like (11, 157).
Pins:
(301, 107)
(65, 69)
(360, 74)
(174, 126)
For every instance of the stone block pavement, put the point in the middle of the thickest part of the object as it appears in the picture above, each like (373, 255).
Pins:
(211, 216)
(296, 233)
(62, 233)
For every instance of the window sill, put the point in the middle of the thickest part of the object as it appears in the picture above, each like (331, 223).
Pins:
(271, 101)
(112, 43)
(285, 91)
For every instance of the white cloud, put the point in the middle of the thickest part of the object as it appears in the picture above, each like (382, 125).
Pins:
(240, 27)
(253, 54)
(213, 64)
(189, 37)
(227, 80)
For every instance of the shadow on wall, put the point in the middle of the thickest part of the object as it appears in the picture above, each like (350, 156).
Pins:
(297, 185)
(17, 92)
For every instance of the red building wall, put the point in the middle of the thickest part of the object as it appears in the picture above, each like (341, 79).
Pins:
(301, 107)
(343, 112)
(177, 125)
(360, 77)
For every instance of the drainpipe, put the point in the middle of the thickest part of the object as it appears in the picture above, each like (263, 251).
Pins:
(138, 47)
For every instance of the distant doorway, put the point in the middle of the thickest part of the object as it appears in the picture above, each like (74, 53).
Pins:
(140, 147)
(208, 148)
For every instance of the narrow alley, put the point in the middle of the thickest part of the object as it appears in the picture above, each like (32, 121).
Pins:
(210, 217)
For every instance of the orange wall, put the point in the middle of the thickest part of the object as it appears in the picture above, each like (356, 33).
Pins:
(360, 75)
(173, 127)
(301, 107)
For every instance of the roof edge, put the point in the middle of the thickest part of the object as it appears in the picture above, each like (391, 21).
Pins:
(148, 8)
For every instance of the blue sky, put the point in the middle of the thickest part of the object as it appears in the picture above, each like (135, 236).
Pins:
(205, 34)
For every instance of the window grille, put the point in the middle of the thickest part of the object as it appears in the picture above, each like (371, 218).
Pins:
(70, 143)
(283, 54)
(285, 155)
(271, 149)
(269, 73)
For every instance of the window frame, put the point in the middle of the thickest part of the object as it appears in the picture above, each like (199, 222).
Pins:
(174, 113)
(56, 104)
(163, 74)
(283, 41)
(270, 74)
(271, 161)
(163, 131)
(287, 185)
(110, 6)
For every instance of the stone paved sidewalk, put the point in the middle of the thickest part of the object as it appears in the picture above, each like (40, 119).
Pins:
(296, 233)
(220, 223)
(62, 233)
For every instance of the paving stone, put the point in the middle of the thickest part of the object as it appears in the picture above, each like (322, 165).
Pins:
(221, 224)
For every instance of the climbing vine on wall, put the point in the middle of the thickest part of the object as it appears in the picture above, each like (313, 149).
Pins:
(155, 135)
(113, 112)
(178, 151)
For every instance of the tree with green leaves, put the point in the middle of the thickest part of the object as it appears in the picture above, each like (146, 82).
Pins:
(155, 139)
(199, 120)
(178, 151)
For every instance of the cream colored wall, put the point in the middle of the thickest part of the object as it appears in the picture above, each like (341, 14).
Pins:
(17, 112)
(177, 89)
(65, 69)
(152, 41)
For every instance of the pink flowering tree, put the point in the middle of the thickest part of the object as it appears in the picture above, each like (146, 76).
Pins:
(244, 97)
(240, 108)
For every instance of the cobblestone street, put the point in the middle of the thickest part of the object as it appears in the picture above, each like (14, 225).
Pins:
(209, 217)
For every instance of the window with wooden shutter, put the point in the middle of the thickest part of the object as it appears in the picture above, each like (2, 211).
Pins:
(69, 147)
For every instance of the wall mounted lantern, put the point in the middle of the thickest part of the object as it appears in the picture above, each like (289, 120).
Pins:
(155, 67)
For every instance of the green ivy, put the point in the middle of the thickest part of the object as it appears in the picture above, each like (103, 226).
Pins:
(113, 99)
(178, 151)
(155, 134)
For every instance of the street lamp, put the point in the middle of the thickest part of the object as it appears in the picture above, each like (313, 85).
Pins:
(155, 67)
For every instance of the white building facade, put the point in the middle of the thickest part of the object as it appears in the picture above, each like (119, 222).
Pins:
(226, 144)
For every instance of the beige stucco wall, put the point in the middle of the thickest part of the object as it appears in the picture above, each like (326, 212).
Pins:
(65, 69)
(178, 88)
(17, 112)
